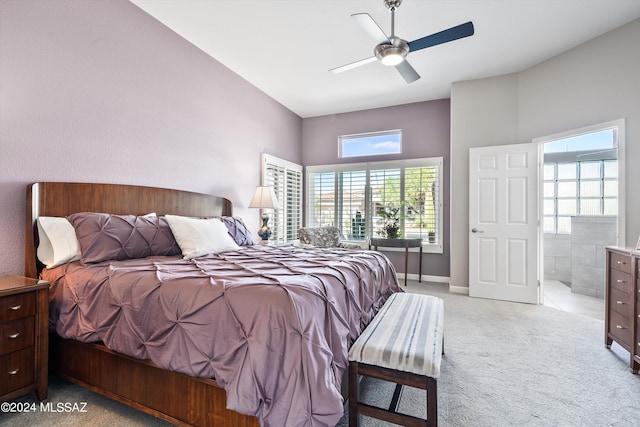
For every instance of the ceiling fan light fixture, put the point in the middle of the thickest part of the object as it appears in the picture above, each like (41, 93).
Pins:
(392, 54)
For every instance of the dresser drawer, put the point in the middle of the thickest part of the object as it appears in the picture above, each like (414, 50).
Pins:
(17, 306)
(16, 370)
(16, 335)
(620, 328)
(620, 262)
(637, 339)
(621, 303)
(621, 281)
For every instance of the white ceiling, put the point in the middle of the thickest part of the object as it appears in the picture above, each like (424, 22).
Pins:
(286, 47)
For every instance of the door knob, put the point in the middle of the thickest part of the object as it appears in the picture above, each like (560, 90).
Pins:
(475, 230)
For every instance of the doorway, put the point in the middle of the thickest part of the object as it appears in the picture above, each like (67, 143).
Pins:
(582, 192)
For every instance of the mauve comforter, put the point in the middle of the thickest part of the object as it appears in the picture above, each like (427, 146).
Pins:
(272, 325)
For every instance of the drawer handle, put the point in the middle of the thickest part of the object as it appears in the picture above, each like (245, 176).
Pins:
(621, 327)
(14, 336)
(620, 302)
(621, 262)
(621, 281)
(16, 307)
(14, 372)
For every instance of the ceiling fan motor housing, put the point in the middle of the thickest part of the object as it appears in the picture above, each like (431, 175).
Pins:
(393, 53)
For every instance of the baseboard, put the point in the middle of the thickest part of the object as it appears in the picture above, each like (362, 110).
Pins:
(425, 278)
(438, 279)
(459, 290)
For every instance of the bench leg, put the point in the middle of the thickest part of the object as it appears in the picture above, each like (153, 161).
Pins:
(353, 394)
(432, 402)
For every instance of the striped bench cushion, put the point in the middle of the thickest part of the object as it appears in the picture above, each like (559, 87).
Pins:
(406, 335)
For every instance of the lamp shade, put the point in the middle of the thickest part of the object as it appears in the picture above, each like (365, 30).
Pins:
(264, 198)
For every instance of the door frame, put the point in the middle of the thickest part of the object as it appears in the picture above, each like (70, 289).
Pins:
(619, 125)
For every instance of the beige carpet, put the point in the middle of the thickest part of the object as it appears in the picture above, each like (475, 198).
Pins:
(509, 364)
(505, 364)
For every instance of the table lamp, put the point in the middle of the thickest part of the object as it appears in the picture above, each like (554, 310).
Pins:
(264, 198)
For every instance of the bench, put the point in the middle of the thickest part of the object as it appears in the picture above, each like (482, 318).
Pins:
(403, 344)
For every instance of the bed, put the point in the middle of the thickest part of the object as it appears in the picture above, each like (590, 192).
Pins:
(328, 295)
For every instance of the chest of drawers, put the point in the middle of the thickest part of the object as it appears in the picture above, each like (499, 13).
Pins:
(622, 321)
(24, 337)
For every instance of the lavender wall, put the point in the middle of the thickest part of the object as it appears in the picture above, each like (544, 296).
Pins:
(99, 91)
(425, 133)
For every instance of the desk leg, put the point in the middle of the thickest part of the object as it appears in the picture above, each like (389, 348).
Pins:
(406, 264)
(420, 265)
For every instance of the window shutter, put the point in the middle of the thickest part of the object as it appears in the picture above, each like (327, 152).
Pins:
(293, 203)
(358, 193)
(351, 204)
(321, 196)
(286, 179)
(386, 196)
(422, 198)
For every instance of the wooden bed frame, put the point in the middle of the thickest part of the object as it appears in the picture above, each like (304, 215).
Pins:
(174, 397)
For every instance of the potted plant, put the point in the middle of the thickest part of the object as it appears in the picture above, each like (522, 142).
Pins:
(391, 221)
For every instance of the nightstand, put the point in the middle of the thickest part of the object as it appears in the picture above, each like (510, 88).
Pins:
(24, 337)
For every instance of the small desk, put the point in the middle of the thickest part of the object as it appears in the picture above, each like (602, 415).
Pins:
(400, 243)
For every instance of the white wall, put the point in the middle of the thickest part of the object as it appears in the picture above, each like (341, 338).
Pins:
(593, 83)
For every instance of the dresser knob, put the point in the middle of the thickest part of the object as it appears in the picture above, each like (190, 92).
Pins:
(16, 307)
(15, 371)
(14, 336)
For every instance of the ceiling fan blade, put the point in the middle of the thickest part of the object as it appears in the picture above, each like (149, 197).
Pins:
(370, 27)
(451, 34)
(353, 65)
(408, 73)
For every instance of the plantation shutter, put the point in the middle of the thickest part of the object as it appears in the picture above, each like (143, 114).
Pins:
(359, 194)
(322, 203)
(286, 179)
(386, 195)
(351, 204)
(422, 203)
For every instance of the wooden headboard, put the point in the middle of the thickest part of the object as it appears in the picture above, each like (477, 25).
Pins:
(64, 198)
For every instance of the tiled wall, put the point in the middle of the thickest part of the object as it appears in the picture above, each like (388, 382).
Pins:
(557, 257)
(589, 236)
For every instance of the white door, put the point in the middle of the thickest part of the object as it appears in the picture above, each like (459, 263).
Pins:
(503, 223)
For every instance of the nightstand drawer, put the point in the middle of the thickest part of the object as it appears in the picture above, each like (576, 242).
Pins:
(17, 306)
(16, 370)
(16, 335)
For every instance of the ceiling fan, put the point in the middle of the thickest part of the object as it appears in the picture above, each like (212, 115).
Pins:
(393, 50)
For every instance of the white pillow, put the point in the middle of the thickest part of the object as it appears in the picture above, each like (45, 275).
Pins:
(198, 237)
(58, 242)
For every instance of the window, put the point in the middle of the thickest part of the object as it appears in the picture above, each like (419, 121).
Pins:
(578, 188)
(352, 197)
(581, 182)
(371, 144)
(286, 179)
